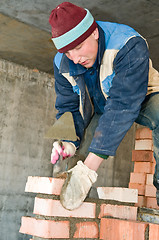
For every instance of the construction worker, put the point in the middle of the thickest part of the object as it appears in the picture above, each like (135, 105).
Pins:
(103, 68)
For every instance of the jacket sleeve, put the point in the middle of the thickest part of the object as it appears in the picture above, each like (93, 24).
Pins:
(68, 101)
(129, 88)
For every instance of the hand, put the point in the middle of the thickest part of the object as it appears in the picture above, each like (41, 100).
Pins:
(77, 185)
(64, 149)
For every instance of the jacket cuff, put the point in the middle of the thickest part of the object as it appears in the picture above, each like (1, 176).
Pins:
(101, 155)
(76, 143)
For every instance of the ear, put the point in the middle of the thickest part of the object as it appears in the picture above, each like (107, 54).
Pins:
(96, 34)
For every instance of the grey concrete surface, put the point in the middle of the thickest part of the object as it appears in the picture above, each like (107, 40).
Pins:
(26, 45)
(26, 113)
(27, 97)
(141, 15)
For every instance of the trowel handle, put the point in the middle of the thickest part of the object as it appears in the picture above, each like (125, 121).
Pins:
(60, 143)
(60, 157)
(65, 149)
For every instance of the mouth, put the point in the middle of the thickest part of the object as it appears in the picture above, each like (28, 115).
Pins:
(84, 63)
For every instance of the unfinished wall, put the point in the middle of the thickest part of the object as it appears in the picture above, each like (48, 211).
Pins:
(26, 112)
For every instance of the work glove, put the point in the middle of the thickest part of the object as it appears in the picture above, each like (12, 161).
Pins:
(64, 149)
(77, 185)
(157, 196)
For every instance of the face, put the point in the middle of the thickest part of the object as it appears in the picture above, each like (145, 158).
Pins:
(86, 52)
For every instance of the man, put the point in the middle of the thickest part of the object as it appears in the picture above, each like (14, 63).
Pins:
(102, 68)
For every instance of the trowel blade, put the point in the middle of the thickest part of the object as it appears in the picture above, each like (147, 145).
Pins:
(63, 128)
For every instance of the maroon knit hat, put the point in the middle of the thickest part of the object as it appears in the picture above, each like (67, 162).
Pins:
(71, 25)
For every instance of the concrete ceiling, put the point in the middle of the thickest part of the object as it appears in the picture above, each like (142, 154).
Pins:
(25, 31)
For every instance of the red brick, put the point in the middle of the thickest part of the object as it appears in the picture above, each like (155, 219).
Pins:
(143, 133)
(149, 179)
(142, 156)
(141, 201)
(115, 229)
(151, 202)
(86, 230)
(139, 187)
(138, 178)
(46, 185)
(144, 167)
(145, 144)
(51, 207)
(153, 168)
(150, 191)
(118, 211)
(45, 228)
(153, 231)
(118, 194)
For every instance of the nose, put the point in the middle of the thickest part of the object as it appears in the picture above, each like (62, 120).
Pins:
(74, 56)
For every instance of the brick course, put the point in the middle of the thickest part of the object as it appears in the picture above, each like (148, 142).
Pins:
(97, 220)
(91, 220)
(151, 202)
(45, 228)
(153, 231)
(150, 191)
(144, 167)
(45, 185)
(86, 230)
(118, 211)
(142, 156)
(118, 194)
(140, 187)
(115, 229)
(51, 207)
(143, 133)
(138, 178)
(144, 144)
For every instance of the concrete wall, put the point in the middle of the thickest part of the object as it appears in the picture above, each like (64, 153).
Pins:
(26, 112)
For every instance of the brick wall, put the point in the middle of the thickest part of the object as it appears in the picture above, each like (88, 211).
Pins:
(144, 166)
(94, 219)
(51, 220)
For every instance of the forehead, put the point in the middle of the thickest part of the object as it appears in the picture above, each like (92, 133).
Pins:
(85, 42)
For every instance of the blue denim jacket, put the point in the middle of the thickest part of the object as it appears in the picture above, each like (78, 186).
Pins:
(118, 92)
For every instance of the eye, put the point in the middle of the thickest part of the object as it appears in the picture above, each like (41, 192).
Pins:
(78, 47)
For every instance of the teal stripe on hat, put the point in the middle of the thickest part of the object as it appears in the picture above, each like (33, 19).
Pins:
(74, 33)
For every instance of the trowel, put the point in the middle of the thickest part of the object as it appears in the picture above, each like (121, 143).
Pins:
(63, 129)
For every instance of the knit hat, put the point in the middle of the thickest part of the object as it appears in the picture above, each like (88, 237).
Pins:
(71, 25)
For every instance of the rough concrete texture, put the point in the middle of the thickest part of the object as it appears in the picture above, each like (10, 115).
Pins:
(141, 15)
(26, 112)
(27, 98)
(26, 45)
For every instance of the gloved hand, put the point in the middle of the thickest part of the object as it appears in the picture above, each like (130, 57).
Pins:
(157, 197)
(64, 149)
(77, 185)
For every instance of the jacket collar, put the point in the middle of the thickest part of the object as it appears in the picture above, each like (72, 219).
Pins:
(76, 69)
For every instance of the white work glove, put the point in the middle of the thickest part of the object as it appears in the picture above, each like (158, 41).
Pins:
(64, 149)
(77, 185)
